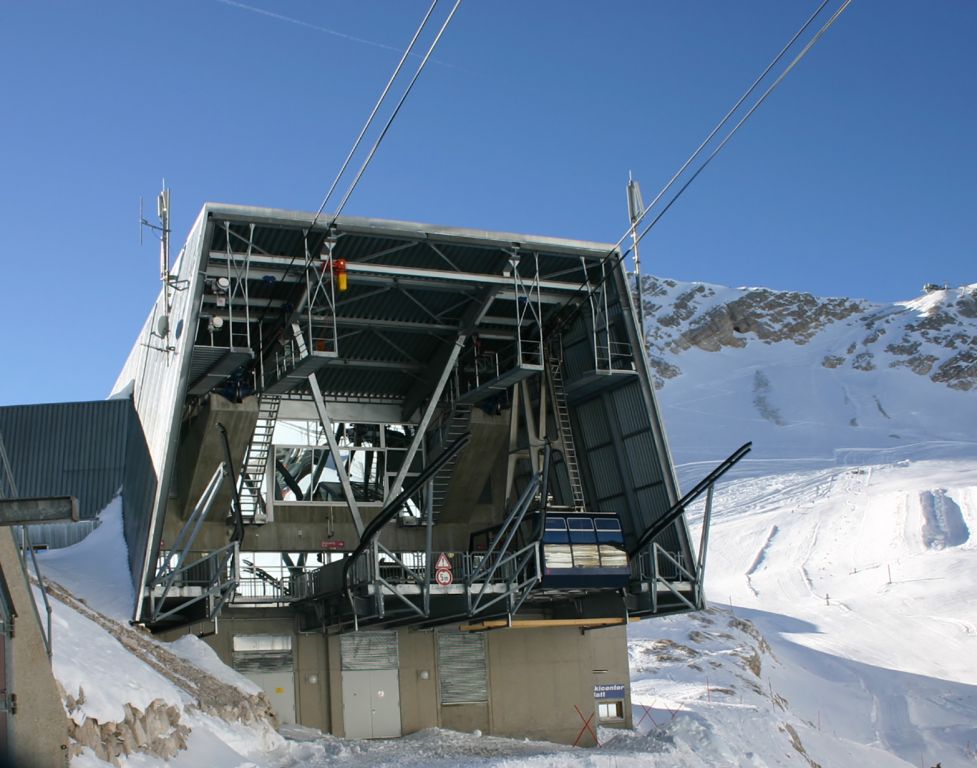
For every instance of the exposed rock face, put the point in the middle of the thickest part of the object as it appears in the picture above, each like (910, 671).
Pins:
(934, 335)
(159, 729)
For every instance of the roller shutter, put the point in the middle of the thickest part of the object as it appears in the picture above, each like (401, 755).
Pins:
(262, 653)
(462, 667)
(369, 651)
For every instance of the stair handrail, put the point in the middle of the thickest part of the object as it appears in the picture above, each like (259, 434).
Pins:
(676, 510)
(390, 510)
(505, 534)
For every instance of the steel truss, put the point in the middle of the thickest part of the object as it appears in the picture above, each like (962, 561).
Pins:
(216, 574)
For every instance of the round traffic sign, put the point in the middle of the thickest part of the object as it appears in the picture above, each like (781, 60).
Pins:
(443, 577)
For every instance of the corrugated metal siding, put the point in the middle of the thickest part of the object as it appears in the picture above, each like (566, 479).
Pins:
(91, 451)
(462, 667)
(138, 496)
(630, 409)
(645, 466)
(593, 423)
(60, 535)
(621, 463)
(76, 449)
(159, 379)
(606, 475)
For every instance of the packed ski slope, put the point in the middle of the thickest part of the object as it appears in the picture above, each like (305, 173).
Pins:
(848, 535)
(843, 626)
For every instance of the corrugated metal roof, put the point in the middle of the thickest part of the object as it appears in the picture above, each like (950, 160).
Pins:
(76, 449)
(89, 450)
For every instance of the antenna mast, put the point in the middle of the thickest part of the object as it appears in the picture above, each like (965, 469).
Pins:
(636, 208)
(163, 228)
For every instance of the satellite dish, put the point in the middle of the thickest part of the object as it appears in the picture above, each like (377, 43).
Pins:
(163, 326)
(179, 329)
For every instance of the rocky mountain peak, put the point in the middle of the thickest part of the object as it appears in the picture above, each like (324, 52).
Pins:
(934, 335)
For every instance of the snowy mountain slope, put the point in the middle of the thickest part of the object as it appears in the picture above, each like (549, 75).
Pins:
(864, 464)
(834, 381)
(807, 556)
(934, 335)
(128, 697)
(864, 424)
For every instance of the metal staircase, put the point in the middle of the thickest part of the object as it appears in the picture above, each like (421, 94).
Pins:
(256, 460)
(566, 432)
(456, 426)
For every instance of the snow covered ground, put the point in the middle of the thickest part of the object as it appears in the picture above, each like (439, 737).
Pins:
(841, 573)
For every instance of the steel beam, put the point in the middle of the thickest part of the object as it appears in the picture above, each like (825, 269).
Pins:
(432, 403)
(52, 509)
(327, 427)
(267, 265)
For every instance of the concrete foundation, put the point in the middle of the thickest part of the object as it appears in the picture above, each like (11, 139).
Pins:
(541, 681)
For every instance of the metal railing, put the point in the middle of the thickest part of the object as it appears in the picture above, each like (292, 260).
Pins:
(214, 574)
(392, 570)
(270, 585)
(25, 546)
(660, 567)
(614, 356)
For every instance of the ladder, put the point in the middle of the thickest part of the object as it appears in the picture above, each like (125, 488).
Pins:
(457, 425)
(256, 460)
(566, 433)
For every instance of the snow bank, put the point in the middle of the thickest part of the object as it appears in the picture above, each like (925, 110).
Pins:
(95, 669)
(96, 569)
(202, 656)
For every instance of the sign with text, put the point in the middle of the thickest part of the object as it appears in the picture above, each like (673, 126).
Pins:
(443, 577)
(609, 691)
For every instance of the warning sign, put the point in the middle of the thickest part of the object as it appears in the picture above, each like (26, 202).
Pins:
(443, 577)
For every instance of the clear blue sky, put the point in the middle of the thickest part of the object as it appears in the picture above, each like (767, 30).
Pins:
(855, 178)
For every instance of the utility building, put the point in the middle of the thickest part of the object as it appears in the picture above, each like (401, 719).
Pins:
(418, 472)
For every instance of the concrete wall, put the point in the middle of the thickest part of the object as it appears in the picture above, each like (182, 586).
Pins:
(309, 655)
(38, 732)
(537, 678)
(418, 696)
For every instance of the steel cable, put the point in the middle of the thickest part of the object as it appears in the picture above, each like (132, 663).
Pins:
(609, 258)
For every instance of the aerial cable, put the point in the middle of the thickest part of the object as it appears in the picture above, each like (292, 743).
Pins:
(615, 261)
(727, 116)
(403, 98)
(373, 114)
(359, 138)
(756, 105)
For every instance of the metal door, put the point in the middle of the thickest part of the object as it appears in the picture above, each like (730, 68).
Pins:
(279, 687)
(267, 660)
(371, 685)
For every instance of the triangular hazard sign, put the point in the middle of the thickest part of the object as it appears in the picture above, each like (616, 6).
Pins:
(443, 562)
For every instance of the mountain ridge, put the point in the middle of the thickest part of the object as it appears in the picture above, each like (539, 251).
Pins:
(934, 335)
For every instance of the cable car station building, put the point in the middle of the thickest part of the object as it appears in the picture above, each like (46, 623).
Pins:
(406, 475)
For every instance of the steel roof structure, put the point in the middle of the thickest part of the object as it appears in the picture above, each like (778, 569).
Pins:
(475, 393)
